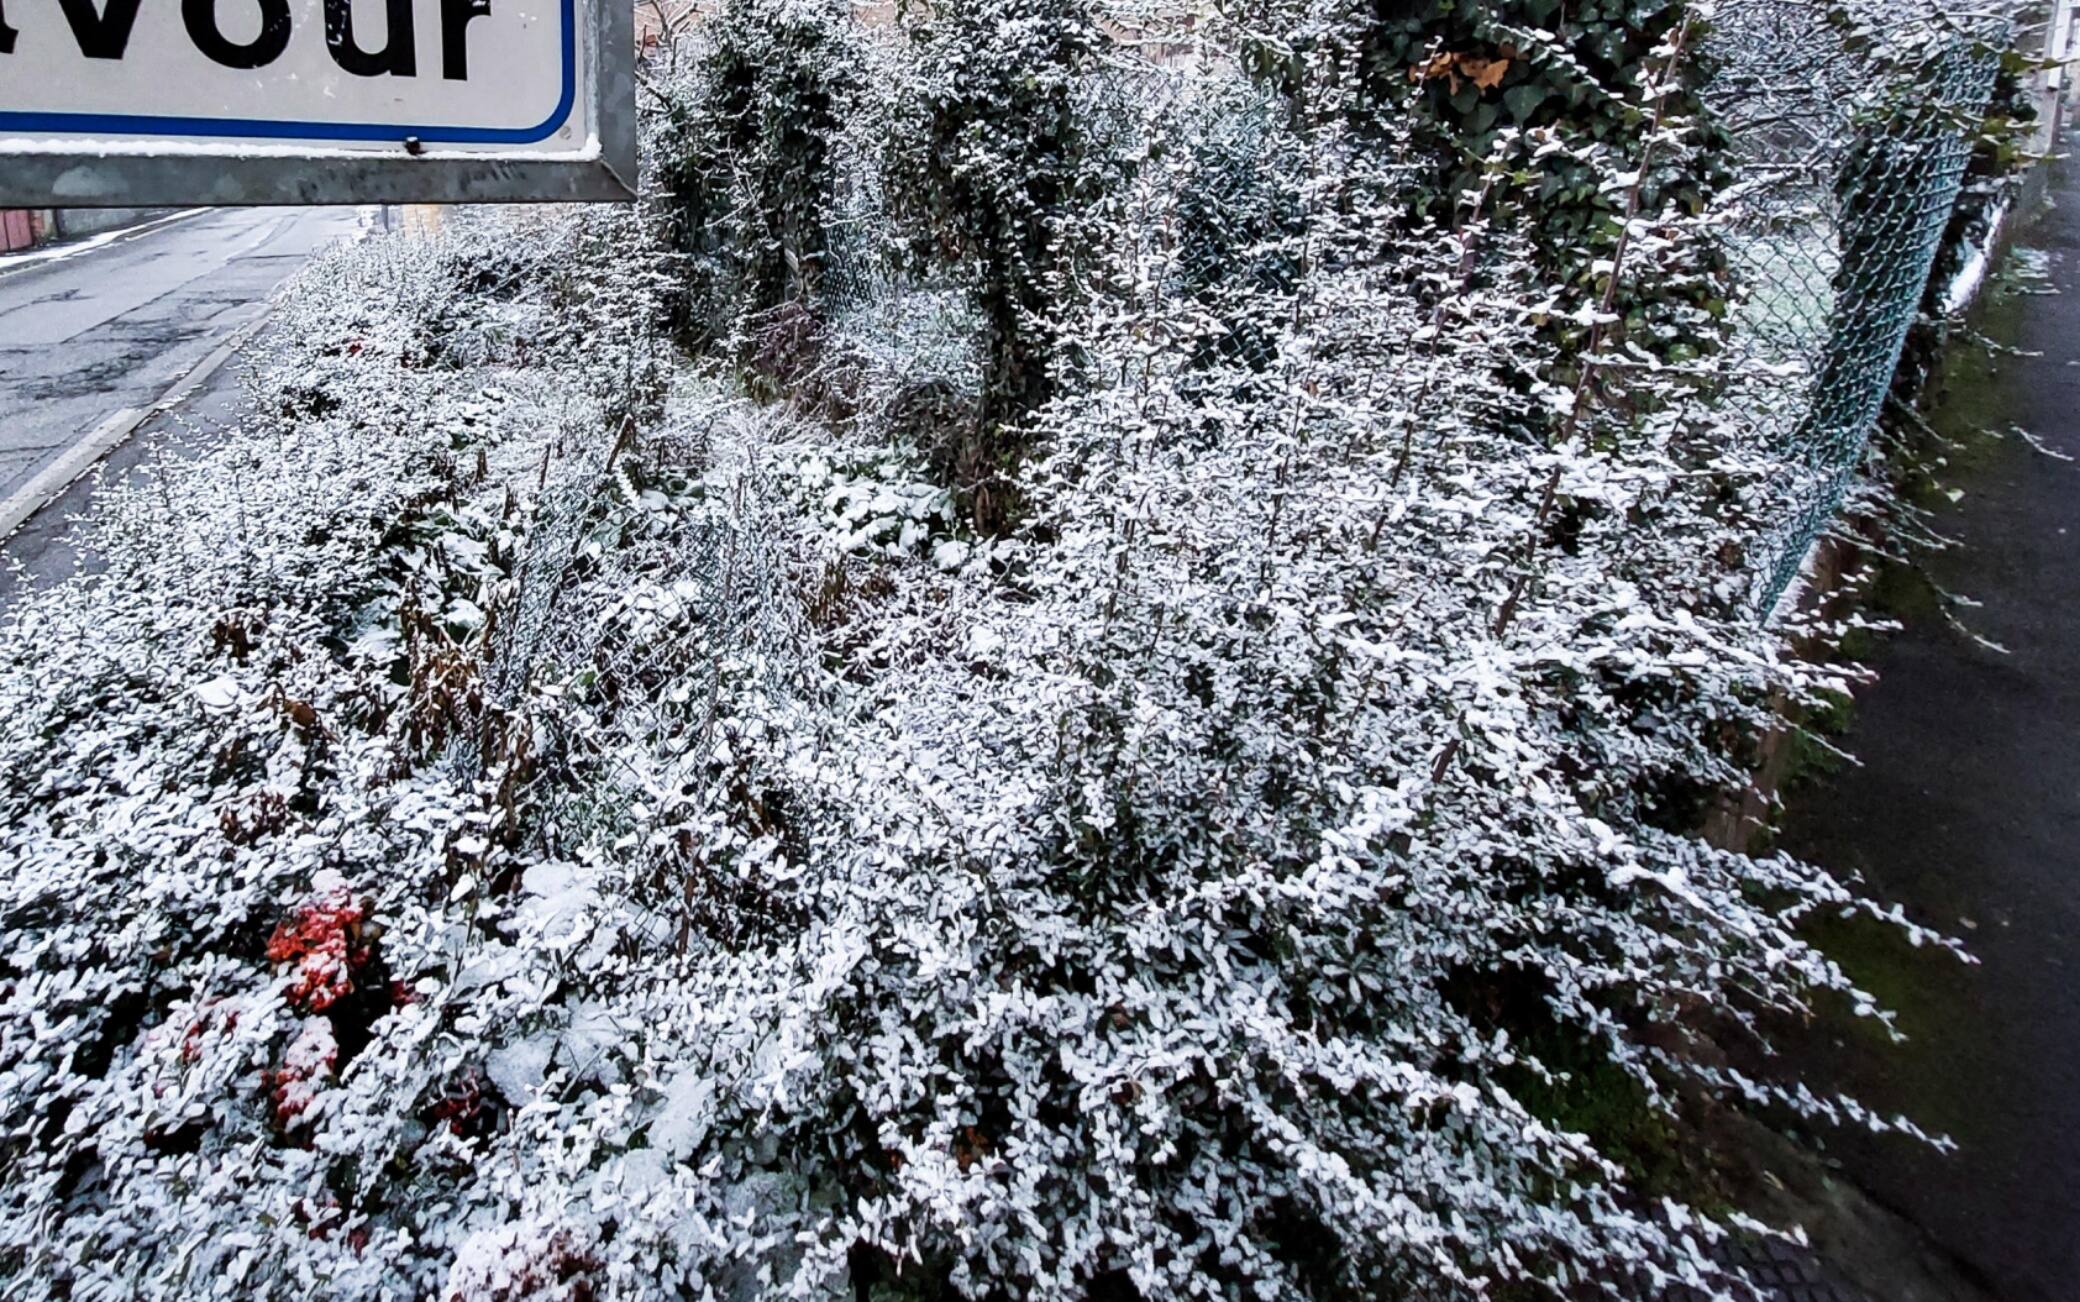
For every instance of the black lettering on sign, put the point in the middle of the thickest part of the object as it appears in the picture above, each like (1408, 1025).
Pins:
(399, 55)
(455, 16)
(103, 35)
(201, 18)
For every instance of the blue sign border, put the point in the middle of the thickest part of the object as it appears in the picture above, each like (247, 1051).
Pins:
(267, 129)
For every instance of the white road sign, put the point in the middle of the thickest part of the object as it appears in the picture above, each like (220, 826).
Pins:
(302, 100)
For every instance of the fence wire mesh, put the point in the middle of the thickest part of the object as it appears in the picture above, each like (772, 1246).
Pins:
(1853, 125)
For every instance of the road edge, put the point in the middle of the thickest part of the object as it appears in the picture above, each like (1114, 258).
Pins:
(20, 264)
(50, 483)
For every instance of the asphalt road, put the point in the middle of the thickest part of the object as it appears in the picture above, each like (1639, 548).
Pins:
(118, 324)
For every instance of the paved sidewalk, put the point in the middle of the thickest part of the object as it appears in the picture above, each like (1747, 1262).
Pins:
(1966, 809)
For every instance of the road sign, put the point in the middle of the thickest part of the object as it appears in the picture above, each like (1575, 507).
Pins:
(138, 103)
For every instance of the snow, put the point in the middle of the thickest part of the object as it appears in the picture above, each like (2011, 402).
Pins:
(683, 1120)
(716, 857)
(519, 1068)
(1963, 289)
(219, 694)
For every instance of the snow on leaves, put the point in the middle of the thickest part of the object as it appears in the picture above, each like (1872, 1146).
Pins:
(321, 945)
(521, 817)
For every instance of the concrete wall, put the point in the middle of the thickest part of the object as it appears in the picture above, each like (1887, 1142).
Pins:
(75, 222)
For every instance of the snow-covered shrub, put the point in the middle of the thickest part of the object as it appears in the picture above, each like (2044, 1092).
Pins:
(999, 163)
(1462, 79)
(498, 828)
(745, 158)
(910, 371)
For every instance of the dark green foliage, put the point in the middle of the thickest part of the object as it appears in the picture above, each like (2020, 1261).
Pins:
(1236, 224)
(1584, 83)
(747, 158)
(1464, 72)
(997, 170)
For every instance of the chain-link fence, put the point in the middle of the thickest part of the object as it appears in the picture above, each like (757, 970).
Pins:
(1853, 124)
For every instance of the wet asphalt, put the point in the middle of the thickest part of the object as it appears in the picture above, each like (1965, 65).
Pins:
(116, 324)
(1965, 807)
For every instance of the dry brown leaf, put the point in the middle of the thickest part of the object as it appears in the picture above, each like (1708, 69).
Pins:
(1486, 73)
(1430, 69)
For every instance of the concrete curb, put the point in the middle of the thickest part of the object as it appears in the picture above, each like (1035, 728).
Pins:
(52, 481)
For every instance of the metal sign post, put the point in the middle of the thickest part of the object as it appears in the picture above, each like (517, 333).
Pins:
(151, 103)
